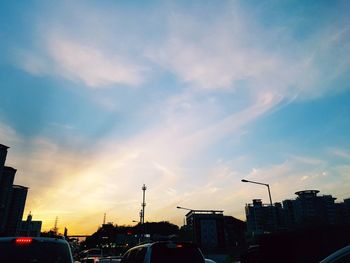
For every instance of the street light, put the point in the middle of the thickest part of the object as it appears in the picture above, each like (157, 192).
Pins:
(268, 187)
(184, 208)
(194, 236)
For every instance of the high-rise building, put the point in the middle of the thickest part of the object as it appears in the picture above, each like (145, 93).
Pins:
(3, 154)
(263, 218)
(16, 209)
(308, 209)
(12, 198)
(6, 182)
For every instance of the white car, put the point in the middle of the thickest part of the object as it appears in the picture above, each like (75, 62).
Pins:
(340, 256)
(35, 249)
(164, 252)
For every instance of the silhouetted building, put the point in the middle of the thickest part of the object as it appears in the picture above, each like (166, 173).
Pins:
(346, 209)
(12, 198)
(207, 227)
(234, 232)
(6, 182)
(3, 154)
(29, 227)
(343, 212)
(16, 208)
(308, 209)
(264, 218)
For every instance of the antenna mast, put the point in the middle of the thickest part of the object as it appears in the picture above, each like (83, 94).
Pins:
(144, 188)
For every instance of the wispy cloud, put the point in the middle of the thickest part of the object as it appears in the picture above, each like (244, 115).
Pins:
(90, 65)
(82, 63)
(340, 153)
(233, 50)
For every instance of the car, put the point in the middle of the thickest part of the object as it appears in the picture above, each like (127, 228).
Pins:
(164, 251)
(35, 249)
(340, 256)
(207, 260)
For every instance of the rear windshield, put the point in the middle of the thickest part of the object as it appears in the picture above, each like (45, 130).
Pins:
(36, 252)
(161, 254)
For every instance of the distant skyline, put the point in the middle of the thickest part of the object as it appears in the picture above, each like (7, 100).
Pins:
(101, 97)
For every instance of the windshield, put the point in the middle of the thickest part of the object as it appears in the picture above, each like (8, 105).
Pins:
(36, 252)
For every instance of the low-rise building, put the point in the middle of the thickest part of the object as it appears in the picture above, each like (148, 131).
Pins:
(29, 227)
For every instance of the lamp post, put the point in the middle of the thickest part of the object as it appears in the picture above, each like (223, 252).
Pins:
(193, 221)
(184, 208)
(267, 185)
(271, 207)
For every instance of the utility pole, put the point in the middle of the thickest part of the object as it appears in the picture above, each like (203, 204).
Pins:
(104, 218)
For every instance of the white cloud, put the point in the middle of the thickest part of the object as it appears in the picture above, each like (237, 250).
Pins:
(91, 65)
(340, 153)
(82, 63)
(234, 51)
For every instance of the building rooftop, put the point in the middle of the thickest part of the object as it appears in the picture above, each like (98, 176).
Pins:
(3, 146)
(205, 212)
(8, 168)
(19, 186)
(307, 192)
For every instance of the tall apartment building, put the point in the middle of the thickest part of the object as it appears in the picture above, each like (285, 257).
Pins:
(12, 197)
(6, 182)
(3, 154)
(263, 218)
(3, 188)
(16, 209)
(308, 209)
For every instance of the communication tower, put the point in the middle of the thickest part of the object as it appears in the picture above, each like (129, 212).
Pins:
(143, 205)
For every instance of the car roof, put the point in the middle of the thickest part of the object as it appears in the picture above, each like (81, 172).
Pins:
(337, 254)
(157, 243)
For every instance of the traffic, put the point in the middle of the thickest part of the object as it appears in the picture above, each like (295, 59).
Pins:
(58, 250)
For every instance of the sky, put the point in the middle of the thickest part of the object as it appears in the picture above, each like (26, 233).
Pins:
(98, 98)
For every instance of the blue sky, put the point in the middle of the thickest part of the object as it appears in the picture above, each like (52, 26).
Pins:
(99, 97)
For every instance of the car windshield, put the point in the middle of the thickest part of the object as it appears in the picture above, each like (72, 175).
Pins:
(36, 252)
(161, 254)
